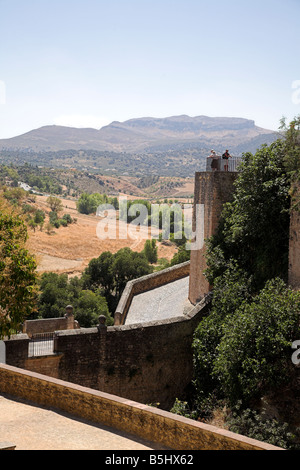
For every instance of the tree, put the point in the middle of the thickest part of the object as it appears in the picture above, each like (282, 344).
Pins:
(88, 203)
(242, 349)
(254, 354)
(291, 140)
(128, 265)
(57, 291)
(110, 273)
(54, 295)
(18, 276)
(181, 256)
(254, 230)
(150, 251)
(55, 204)
(89, 306)
(39, 217)
(99, 273)
(230, 291)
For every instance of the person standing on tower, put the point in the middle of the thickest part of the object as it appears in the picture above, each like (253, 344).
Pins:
(214, 162)
(226, 155)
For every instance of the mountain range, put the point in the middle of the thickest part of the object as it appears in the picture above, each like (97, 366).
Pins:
(148, 135)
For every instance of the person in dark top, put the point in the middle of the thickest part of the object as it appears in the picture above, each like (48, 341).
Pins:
(226, 155)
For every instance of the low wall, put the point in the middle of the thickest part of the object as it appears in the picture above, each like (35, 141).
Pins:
(158, 426)
(146, 283)
(49, 325)
(149, 363)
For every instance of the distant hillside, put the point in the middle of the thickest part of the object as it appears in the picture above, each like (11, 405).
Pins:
(174, 146)
(143, 135)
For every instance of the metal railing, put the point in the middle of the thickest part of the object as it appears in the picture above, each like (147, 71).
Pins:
(220, 164)
(41, 344)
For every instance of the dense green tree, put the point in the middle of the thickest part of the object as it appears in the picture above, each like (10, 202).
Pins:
(57, 291)
(39, 216)
(18, 276)
(242, 349)
(150, 251)
(254, 230)
(254, 354)
(181, 256)
(89, 203)
(230, 291)
(291, 142)
(128, 265)
(88, 307)
(100, 273)
(97, 291)
(111, 272)
(54, 295)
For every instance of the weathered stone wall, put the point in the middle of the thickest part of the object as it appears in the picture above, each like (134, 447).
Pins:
(294, 244)
(17, 350)
(48, 325)
(146, 422)
(149, 363)
(211, 190)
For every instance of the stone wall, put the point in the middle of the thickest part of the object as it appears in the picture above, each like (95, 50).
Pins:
(49, 325)
(170, 430)
(211, 190)
(17, 350)
(294, 243)
(149, 363)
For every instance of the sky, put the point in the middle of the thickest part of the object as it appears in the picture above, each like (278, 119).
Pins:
(86, 63)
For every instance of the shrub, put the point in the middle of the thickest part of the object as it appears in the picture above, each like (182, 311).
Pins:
(254, 354)
(67, 218)
(251, 424)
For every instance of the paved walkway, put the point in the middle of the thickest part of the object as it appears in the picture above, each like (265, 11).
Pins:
(162, 303)
(31, 427)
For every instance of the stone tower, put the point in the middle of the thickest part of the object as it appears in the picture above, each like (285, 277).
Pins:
(294, 244)
(212, 191)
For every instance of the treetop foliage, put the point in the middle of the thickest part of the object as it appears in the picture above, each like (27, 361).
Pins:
(254, 229)
(242, 349)
(18, 276)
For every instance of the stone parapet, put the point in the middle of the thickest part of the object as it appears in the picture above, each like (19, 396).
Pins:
(49, 325)
(149, 362)
(168, 429)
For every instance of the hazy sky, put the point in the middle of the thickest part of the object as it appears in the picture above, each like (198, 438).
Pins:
(86, 63)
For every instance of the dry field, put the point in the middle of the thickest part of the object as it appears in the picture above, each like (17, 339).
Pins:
(69, 249)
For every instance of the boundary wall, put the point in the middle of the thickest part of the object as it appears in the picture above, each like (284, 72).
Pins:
(149, 362)
(49, 325)
(158, 426)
